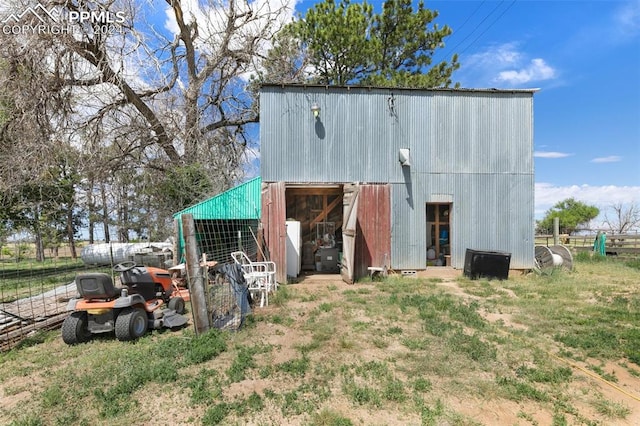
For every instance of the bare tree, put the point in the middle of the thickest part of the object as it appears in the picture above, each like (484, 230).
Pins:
(137, 98)
(170, 99)
(31, 108)
(624, 218)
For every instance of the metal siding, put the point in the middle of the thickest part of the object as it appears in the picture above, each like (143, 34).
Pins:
(476, 146)
(478, 133)
(358, 133)
(355, 137)
(408, 230)
(490, 212)
(240, 202)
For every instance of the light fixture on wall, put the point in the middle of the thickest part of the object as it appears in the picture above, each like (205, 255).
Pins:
(404, 157)
(315, 109)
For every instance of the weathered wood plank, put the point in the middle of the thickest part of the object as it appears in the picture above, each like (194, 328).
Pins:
(39, 312)
(326, 209)
(12, 338)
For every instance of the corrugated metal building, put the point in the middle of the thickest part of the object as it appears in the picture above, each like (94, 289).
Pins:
(436, 171)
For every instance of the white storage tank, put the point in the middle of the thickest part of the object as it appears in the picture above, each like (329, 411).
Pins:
(112, 253)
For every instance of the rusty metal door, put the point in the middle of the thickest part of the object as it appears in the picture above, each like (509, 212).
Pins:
(373, 242)
(349, 226)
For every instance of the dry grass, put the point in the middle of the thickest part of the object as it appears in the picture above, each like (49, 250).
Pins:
(531, 350)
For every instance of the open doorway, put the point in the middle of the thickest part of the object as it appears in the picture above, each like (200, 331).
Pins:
(320, 213)
(317, 211)
(439, 234)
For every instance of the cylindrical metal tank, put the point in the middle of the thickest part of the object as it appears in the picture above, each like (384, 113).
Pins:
(112, 253)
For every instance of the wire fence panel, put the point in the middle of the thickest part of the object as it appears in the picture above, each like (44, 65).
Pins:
(219, 238)
(225, 290)
(34, 289)
(38, 268)
(227, 302)
(37, 277)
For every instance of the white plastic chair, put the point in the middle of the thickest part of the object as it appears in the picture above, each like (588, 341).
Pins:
(260, 276)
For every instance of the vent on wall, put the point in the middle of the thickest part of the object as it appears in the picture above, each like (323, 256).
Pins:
(404, 157)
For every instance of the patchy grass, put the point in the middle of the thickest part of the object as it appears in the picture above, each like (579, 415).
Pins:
(397, 351)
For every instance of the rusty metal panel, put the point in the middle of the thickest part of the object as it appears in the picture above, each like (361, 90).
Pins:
(373, 234)
(274, 226)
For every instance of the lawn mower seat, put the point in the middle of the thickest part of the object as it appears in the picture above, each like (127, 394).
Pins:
(96, 286)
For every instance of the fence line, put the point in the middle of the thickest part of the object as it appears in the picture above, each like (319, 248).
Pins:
(627, 243)
(34, 294)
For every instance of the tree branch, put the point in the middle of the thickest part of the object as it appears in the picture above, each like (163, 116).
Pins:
(94, 55)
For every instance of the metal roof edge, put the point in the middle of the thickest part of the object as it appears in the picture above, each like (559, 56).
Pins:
(412, 89)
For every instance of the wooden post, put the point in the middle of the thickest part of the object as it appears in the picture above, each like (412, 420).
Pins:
(556, 230)
(195, 275)
(176, 241)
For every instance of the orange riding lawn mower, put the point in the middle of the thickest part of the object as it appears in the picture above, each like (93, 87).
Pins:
(149, 299)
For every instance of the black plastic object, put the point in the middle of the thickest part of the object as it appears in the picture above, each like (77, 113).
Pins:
(139, 281)
(95, 286)
(486, 264)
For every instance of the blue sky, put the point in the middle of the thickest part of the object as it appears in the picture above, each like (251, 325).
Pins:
(584, 56)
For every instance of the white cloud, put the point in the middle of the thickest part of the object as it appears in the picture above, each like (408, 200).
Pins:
(536, 70)
(547, 195)
(500, 56)
(627, 19)
(609, 159)
(505, 65)
(551, 154)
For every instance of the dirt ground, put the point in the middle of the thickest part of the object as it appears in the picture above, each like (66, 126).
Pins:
(625, 391)
(484, 409)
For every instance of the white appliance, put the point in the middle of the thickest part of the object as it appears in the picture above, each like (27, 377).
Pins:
(294, 248)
